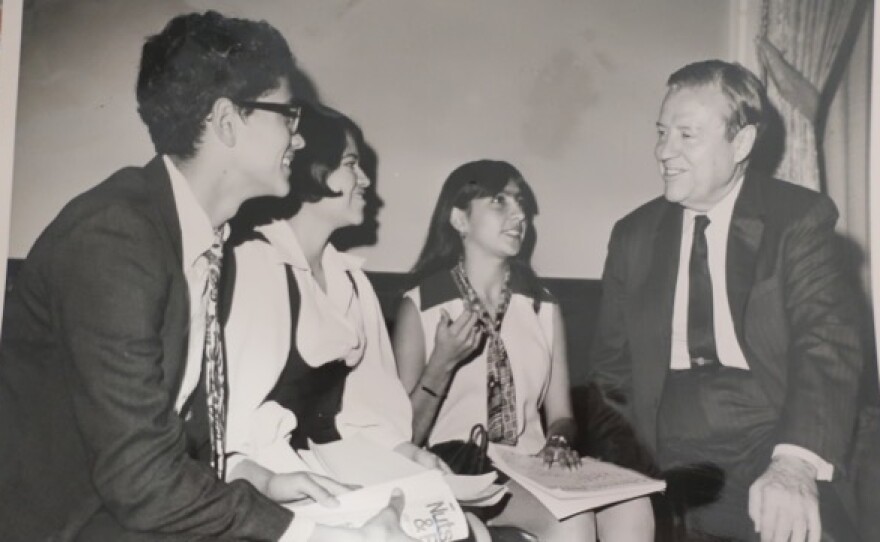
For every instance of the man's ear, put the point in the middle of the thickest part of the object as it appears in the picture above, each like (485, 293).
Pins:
(223, 121)
(458, 220)
(744, 142)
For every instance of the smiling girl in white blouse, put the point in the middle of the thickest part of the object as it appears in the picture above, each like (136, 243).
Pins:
(309, 356)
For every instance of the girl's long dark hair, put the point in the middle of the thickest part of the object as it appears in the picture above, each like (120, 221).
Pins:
(478, 179)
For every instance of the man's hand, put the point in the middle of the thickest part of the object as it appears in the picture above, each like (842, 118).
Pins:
(386, 524)
(289, 486)
(383, 527)
(784, 502)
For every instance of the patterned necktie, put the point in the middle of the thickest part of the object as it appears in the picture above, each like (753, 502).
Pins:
(701, 326)
(501, 391)
(214, 363)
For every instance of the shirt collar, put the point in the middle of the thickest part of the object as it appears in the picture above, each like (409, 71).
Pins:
(197, 234)
(722, 212)
(288, 250)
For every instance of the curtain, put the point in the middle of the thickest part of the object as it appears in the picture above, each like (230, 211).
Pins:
(845, 150)
(817, 59)
(799, 45)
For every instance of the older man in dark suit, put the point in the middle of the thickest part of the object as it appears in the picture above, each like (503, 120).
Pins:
(112, 344)
(727, 334)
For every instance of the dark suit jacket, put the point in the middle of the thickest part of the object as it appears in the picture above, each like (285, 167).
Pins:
(792, 309)
(90, 365)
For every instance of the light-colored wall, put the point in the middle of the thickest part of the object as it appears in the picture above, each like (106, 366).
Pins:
(10, 26)
(874, 172)
(567, 90)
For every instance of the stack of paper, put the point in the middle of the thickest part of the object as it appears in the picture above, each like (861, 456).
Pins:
(432, 511)
(357, 460)
(566, 492)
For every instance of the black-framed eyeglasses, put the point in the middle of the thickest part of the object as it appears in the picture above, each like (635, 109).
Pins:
(291, 112)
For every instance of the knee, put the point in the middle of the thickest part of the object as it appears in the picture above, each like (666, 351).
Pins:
(629, 521)
(579, 527)
(479, 532)
(546, 528)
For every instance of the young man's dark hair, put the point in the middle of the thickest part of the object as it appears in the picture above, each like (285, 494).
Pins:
(196, 59)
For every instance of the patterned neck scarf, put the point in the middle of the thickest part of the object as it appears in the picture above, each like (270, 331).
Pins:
(502, 426)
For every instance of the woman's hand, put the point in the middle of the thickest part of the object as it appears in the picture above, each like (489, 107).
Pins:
(557, 450)
(431, 460)
(455, 340)
(422, 457)
(294, 486)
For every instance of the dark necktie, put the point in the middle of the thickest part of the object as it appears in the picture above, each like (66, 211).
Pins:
(214, 362)
(701, 327)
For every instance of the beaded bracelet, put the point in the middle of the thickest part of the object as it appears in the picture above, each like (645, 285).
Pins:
(558, 441)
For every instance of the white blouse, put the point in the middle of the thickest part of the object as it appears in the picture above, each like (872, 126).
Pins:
(339, 324)
(528, 339)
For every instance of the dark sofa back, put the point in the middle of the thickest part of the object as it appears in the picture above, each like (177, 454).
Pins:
(578, 298)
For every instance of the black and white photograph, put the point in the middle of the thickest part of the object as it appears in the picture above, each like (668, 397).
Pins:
(490, 270)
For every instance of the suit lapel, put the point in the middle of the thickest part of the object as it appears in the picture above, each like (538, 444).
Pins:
(654, 324)
(743, 243)
(159, 191)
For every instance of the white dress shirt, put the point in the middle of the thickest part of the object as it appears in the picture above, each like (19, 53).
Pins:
(197, 236)
(729, 351)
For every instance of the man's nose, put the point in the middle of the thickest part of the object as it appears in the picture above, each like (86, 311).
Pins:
(666, 148)
(297, 142)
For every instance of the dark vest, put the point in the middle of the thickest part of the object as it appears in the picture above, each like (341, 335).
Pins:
(313, 394)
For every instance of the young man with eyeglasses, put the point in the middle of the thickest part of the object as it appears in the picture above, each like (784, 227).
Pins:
(112, 378)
